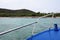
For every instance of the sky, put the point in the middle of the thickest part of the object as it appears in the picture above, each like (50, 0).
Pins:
(34, 5)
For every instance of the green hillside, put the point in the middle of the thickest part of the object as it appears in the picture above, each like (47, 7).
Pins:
(21, 13)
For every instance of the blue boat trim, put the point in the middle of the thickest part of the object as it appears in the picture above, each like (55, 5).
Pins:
(52, 31)
(56, 27)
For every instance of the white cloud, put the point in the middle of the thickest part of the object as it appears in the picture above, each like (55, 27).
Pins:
(6, 1)
(36, 5)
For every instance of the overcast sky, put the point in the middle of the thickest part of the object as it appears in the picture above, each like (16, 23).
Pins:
(34, 5)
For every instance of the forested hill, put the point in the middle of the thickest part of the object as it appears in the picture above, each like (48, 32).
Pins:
(20, 13)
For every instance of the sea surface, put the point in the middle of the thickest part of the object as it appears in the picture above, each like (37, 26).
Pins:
(7, 23)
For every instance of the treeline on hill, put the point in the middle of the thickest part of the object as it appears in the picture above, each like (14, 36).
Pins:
(21, 13)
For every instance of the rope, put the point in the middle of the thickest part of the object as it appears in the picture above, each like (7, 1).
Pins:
(37, 21)
(33, 29)
(10, 30)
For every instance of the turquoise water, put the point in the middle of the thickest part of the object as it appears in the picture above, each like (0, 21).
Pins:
(7, 23)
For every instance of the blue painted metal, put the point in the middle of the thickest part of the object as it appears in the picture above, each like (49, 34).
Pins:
(56, 27)
(51, 34)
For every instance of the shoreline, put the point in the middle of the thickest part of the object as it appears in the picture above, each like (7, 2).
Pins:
(29, 17)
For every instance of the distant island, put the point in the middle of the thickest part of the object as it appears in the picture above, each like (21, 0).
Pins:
(22, 13)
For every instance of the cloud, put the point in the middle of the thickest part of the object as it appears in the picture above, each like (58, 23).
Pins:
(36, 5)
(6, 1)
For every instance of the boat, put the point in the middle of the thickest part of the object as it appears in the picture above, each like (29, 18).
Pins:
(51, 34)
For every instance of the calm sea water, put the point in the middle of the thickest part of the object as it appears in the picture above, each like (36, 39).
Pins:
(7, 23)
